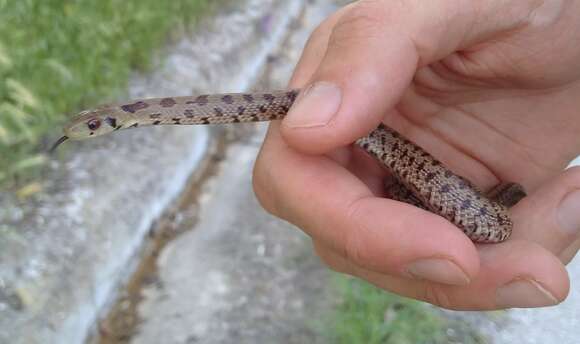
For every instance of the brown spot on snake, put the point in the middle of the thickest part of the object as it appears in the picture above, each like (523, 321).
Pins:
(465, 204)
(167, 102)
(269, 97)
(228, 99)
(202, 100)
(134, 107)
(430, 176)
(292, 95)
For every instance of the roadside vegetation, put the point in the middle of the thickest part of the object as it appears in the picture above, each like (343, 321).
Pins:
(58, 56)
(366, 314)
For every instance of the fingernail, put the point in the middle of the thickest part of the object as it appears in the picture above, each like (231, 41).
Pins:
(569, 213)
(438, 270)
(524, 293)
(315, 106)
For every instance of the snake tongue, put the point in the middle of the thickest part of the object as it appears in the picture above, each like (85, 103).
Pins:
(57, 143)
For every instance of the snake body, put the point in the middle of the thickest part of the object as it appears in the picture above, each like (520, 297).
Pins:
(422, 180)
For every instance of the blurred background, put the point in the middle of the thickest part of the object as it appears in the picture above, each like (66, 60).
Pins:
(57, 57)
(154, 235)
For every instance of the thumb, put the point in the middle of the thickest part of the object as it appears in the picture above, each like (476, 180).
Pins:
(361, 61)
(550, 215)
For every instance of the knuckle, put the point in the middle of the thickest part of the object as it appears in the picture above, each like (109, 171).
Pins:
(365, 20)
(326, 26)
(436, 294)
(330, 260)
(355, 248)
(353, 251)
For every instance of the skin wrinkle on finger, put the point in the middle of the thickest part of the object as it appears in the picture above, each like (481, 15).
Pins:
(526, 290)
(435, 294)
(370, 19)
(433, 85)
(354, 249)
(384, 242)
(514, 149)
(451, 151)
(528, 148)
(491, 169)
(546, 13)
(363, 23)
(329, 258)
(448, 152)
(471, 73)
(438, 28)
(523, 53)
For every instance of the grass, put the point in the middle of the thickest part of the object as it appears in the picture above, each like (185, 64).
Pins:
(366, 314)
(58, 56)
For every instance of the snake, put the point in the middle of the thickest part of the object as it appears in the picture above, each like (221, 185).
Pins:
(419, 178)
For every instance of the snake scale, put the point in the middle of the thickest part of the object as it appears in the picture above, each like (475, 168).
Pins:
(422, 179)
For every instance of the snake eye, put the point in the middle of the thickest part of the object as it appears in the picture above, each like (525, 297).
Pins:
(94, 124)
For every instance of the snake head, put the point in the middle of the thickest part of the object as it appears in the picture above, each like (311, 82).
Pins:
(89, 124)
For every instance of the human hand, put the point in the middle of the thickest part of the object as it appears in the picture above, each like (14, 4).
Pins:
(490, 88)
